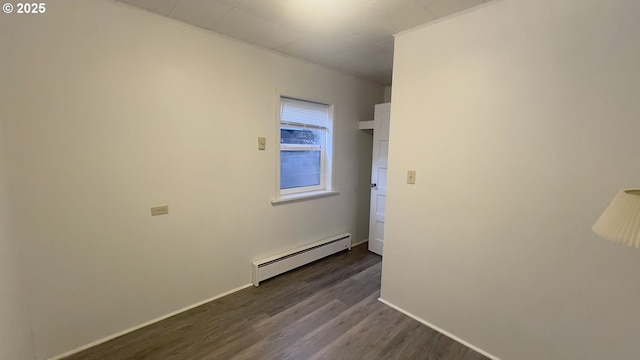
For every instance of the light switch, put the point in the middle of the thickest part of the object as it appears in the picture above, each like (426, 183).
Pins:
(159, 210)
(411, 177)
(262, 143)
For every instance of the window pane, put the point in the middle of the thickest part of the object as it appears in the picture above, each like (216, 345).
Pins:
(301, 136)
(299, 169)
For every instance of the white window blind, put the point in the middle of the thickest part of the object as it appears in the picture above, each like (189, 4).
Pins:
(303, 114)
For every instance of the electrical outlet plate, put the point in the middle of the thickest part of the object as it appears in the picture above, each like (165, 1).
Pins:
(159, 210)
(411, 177)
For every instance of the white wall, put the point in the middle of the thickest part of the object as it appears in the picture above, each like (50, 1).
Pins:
(114, 110)
(522, 121)
(15, 331)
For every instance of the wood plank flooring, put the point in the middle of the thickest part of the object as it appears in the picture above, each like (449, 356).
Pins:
(325, 310)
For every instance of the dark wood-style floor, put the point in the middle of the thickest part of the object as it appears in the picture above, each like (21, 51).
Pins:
(325, 310)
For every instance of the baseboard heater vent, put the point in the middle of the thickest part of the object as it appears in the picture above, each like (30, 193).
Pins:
(289, 260)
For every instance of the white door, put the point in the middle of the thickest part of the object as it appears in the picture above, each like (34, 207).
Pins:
(379, 177)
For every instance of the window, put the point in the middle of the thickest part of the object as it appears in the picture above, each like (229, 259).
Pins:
(305, 147)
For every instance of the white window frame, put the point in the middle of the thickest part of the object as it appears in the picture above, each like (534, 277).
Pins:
(300, 147)
(326, 156)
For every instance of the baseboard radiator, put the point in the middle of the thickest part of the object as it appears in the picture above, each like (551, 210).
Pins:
(278, 264)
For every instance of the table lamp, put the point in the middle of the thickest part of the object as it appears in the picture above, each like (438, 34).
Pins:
(620, 222)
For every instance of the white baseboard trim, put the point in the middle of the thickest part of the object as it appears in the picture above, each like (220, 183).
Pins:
(360, 242)
(132, 329)
(448, 334)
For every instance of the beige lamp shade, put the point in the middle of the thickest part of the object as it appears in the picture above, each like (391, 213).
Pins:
(620, 222)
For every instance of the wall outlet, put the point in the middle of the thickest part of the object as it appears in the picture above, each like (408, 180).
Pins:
(411, 177)
(160, 210)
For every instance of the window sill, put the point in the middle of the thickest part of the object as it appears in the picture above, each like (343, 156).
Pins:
(303, 196)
